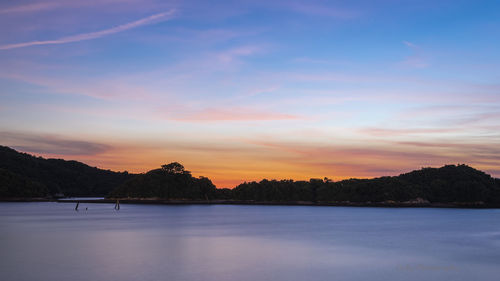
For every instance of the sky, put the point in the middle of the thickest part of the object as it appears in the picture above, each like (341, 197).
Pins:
(245, 90)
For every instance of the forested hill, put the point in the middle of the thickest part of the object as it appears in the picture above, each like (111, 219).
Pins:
(448, 184)
(24, 175)
(169, 182)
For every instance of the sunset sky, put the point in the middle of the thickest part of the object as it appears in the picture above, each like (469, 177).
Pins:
(245, 90)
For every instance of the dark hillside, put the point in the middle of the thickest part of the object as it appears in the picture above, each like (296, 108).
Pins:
(53, 176)
(23, 175)
(169, 182)
(447, 184)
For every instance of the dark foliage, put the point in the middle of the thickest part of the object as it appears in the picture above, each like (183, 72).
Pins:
(169, 182)
(447, 184)
(24, 175)
(13, 185)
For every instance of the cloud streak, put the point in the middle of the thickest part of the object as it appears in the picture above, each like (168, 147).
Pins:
(385, 132)
(50, 144)
(94, 35)
(235, 114)
(416, 60)
(58, 4)
(34, 7)
(312, 9)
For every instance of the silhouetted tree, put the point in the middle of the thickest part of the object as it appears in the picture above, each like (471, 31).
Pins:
(169, 182)
(174, 168)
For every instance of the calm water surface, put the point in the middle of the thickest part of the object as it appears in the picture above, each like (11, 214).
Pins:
(51, 241)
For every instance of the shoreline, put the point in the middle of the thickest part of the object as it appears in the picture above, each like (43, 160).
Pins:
(390, 204)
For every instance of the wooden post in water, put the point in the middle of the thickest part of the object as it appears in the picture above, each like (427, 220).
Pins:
(77, 204)
(117, 205)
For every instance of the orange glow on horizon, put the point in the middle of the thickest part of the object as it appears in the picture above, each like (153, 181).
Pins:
(233, 169)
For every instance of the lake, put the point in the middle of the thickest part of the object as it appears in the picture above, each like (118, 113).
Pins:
(51, 241)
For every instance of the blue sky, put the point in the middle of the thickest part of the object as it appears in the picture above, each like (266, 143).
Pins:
(241, 90)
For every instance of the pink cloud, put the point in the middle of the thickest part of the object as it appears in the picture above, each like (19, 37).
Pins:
(389, 155)
(234, 114)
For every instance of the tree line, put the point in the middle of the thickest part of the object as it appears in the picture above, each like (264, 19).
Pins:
(448, 184)
(23, 175)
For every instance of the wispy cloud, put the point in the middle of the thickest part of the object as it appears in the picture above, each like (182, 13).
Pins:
(320, 61)
(396, 156)
(386, 132)
(411, 45)
(33, 7)
(51, 144)
(417, 59)
(243, 51)
(94, 35)
(322, 10)
(106, 88)
(59, 4)
(235, 114)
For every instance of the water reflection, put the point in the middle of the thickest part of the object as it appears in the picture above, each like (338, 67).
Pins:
(50, 241)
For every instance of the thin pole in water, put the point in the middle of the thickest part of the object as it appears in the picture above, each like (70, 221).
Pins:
(77, 204)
